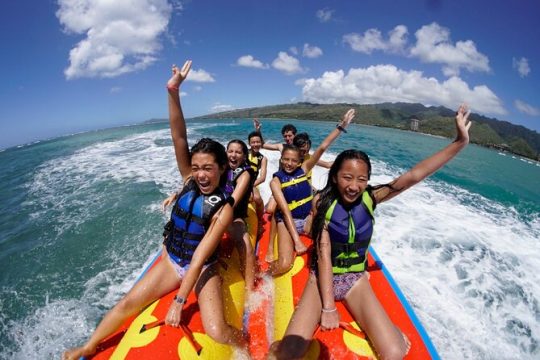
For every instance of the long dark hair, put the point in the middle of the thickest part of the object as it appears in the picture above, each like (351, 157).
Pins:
(330, 192)
(212, 147)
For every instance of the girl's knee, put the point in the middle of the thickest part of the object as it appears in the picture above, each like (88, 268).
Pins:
(283, 265)
(394, 351)
(219, 332)
(127, 305)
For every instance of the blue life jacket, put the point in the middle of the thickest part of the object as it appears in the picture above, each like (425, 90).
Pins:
(350, 229)
(297, 191)
(190, 219)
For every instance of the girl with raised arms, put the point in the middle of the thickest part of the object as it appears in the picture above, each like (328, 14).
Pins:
(293, 194)
(342, 229)
(199, 218)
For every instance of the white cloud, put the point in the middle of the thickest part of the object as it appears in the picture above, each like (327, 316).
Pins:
(324, 15)
(287, 64)
(293, 50)
(219, 107)
(373, 40)
(526, 108)
(311, 51)
(433, 45)
(397, 38)
(119, 36)
(115, 89)
(522, 66)
(250, 61)
(386, 83)
(200, 76)
(183, 94)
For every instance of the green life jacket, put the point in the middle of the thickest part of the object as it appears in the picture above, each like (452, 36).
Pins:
(350, 229)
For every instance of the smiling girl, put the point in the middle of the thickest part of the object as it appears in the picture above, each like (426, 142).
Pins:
(189, 259)
(342, 229)
(293, 194)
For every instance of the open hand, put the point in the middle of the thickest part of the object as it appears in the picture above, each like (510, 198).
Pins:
(462, 123)
(257, 124)
(347, 118)
(168, 201)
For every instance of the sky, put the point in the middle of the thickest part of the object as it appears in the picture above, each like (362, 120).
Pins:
(76, 65)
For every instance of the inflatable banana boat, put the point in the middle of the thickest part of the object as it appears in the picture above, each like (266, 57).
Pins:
(263, 317)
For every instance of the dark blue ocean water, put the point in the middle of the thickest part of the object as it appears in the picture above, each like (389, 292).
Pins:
(80, 217)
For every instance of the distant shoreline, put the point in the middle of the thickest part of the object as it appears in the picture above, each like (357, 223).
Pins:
(432, 120)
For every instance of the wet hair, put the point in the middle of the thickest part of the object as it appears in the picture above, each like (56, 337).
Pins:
(255, 134)
(288, 127)
(330, 191)
(302, 139)
(209, 146)
(241, 143)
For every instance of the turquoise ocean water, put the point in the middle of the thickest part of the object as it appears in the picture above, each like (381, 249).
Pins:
(80, 218)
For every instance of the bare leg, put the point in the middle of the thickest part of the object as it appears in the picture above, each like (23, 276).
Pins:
(242, 242)
(370, 315)
(160, 280)
(259, 208)
(270, 209)
(210, 298)
(305, 319)
(286, 253)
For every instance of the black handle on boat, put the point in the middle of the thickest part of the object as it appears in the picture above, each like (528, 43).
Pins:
(187, 333)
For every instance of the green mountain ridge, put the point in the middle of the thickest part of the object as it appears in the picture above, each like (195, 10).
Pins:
(434, 120)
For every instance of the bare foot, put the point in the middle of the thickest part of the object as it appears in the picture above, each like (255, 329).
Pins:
(77, 353)
(407, 343)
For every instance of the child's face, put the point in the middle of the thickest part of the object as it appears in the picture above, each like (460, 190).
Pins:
(290, 160)
(304, 150)
(352, 180)
(288, 137)
(235, 155)
(255, 143)
(206, 172)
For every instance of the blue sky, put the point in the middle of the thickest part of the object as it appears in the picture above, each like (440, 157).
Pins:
(75, 65)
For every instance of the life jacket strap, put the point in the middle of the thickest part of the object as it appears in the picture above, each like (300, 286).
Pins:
(182, 213)
(346, 248)
(347, 262)
(294, 181)
(294, 204)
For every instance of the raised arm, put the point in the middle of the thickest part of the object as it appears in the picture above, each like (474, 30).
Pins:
(428, 166)
(274, 147)
(325, 164)
(262, 172)
(176, 120)
(342, 125)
